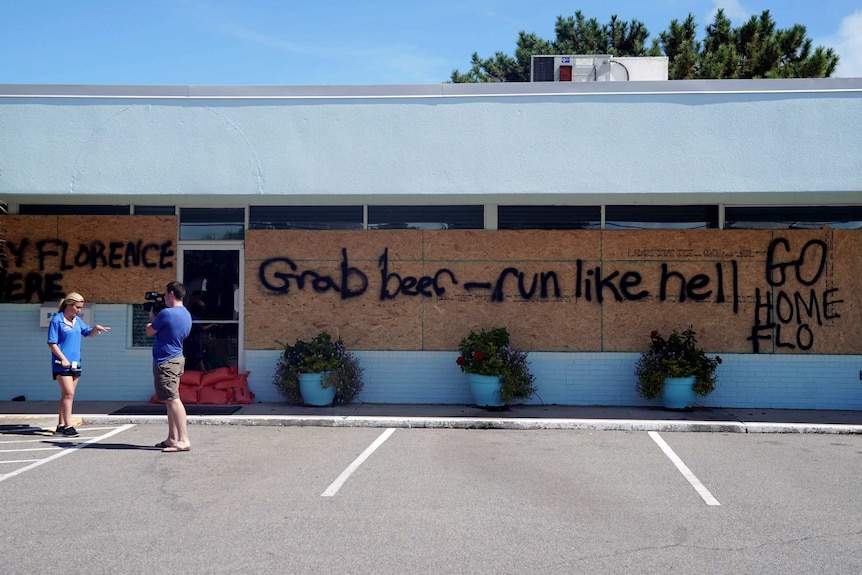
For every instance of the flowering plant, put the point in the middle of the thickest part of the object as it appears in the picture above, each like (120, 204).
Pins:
(676, 356)
(319, 355)
(489, 353)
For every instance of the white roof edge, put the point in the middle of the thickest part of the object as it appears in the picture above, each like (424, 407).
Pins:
(740, 198)
(509, 89)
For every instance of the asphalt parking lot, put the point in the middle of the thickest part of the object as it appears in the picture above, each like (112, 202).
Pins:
(372, 500)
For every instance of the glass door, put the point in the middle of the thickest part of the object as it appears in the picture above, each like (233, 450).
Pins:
(213, 278)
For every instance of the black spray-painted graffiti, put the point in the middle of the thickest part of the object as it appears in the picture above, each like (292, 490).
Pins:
(774, 308)
(779, 308)
(281, 274)
(60, 256)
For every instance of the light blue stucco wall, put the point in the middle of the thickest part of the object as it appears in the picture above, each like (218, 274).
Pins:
(114, 371)
(771, 136)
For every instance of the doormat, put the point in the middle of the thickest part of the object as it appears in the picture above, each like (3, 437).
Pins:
(159, 409)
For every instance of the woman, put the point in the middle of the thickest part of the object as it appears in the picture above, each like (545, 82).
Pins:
(64, 340)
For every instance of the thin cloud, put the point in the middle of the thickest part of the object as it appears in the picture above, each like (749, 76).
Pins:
(733, 9)
(268, 41)
(216, 20)
(398, 63)
(847, 42)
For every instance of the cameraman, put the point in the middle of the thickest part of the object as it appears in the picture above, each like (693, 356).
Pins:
(170, 327)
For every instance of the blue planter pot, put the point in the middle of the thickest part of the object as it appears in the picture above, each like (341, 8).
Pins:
(678, 392)
(312, 392)
(485, 390)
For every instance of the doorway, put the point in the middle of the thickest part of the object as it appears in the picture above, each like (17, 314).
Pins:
(213, 278)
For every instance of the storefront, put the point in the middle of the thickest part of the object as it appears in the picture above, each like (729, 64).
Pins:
(581, 217)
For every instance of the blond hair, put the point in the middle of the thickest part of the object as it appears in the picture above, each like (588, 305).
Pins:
(73, 297)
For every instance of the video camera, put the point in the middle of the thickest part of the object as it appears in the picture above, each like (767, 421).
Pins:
(155, 302)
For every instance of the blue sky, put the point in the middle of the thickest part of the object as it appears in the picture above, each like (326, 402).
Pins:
(296, 42)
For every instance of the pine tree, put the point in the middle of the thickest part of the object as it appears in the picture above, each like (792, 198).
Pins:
(756, 49)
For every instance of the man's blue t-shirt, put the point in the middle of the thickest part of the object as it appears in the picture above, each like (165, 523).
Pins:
(173, 325)
(67, 337)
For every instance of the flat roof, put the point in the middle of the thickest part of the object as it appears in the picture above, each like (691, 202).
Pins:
(466, 90)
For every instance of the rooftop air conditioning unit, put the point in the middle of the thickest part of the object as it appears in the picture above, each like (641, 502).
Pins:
(597, 68)
(570, 68)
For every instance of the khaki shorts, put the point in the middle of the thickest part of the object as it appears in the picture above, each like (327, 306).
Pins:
(166, 378)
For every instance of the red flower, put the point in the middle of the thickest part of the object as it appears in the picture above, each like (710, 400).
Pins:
(479, 355)
(460, 360)
(653, 334)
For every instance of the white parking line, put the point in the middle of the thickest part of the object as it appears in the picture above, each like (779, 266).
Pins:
(683, 468)
(66, 451)
(44, 438)
(336, 485)
(31, 449)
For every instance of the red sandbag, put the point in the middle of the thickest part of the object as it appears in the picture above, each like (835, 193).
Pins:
(189, 394)
(191, 377)
(242, 395)
(238, 380)
(237, 388)
(215, 396)
(213, 376)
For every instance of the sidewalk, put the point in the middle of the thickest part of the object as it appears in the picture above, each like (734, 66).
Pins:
(43, 414)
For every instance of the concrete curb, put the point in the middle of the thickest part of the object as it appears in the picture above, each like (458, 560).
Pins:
(487, 423)
(829, 428)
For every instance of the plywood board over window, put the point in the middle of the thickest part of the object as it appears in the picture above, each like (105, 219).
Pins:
(580, 290)
(108, 259)
(299, 283)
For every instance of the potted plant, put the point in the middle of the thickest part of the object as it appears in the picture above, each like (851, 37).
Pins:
(676, 369)
(498, 373)
(318, 372)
